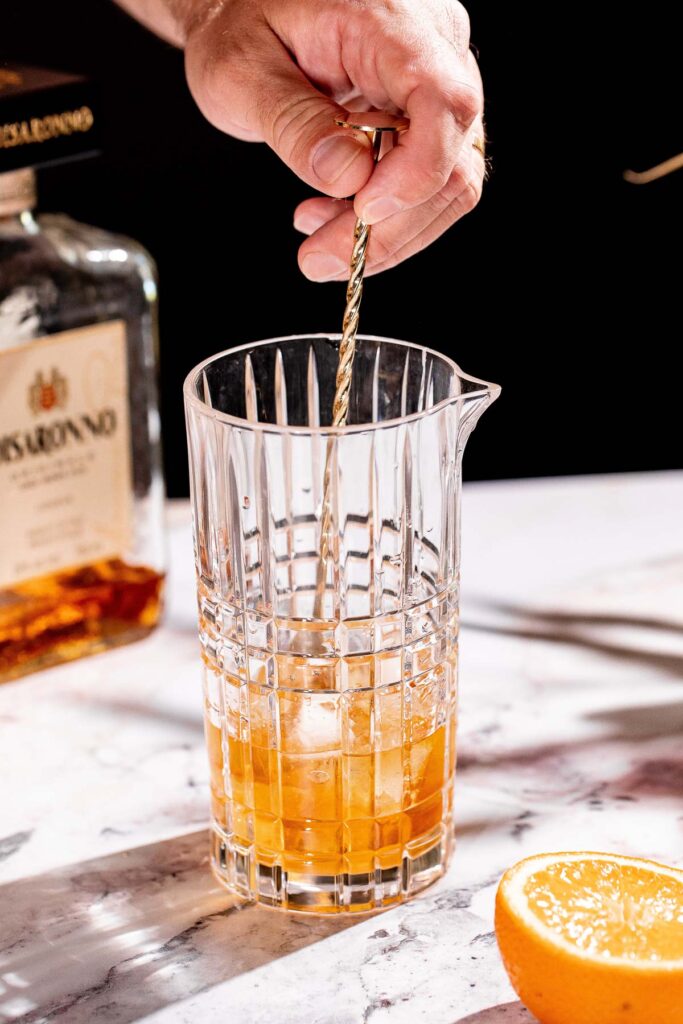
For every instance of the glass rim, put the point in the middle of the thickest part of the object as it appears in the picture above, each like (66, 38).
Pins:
(192, 399)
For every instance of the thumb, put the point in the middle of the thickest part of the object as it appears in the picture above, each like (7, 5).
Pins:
(255, 91)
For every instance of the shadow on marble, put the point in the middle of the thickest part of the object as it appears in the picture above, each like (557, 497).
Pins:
(654, 778)
(667, 664)
(588, 618)
(567, 627)
(654, 773)
(504, 1013)
(158, 712)
(643, 722)
(133, 932)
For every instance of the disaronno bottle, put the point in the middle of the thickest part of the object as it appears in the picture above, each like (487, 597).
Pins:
(81, 493)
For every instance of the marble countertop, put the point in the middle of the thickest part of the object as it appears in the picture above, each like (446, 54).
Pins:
(571, 737)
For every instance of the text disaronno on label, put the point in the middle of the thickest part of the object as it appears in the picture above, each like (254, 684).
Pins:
(42, 129)
(47, 438)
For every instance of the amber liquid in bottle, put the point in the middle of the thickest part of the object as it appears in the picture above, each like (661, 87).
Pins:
(68, 614)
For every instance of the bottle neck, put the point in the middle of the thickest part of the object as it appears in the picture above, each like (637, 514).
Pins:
(17, 195)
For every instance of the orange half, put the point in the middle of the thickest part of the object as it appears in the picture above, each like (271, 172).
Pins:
(593, 938)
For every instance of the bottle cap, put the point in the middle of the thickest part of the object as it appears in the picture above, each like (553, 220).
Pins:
(46, 117)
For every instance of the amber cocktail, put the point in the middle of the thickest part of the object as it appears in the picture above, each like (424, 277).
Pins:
(330, 714)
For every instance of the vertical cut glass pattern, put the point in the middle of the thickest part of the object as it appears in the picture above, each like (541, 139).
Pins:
(331, 737)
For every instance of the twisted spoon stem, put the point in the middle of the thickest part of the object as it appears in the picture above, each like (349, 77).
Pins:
(354, 294)
(347, 351)
(347, 346)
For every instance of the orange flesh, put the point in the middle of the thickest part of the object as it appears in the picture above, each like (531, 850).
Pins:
(609, 909)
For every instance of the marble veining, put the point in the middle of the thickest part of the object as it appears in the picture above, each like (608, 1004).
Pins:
(570, 737)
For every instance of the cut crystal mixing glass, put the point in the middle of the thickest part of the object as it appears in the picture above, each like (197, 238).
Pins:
(330, 697)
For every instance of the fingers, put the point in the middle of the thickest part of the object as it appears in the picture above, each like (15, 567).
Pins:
(313, 213)
(463, 204)
(424, 159)
(324, 256)
(251, 67)
(251, 88)
(430, 75)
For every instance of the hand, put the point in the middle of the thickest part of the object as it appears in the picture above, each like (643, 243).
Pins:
(279, 71)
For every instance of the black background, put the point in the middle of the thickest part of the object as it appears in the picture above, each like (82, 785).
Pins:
(563, 286)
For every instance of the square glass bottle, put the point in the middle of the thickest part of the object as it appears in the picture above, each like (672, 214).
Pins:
(81, 490)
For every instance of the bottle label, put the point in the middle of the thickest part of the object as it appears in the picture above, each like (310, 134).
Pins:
(65, 471)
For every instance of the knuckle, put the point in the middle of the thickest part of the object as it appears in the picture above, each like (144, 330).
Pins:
(470, 195)
(457, 183)
(466, 103)
(461, 194)
(379, 251)
(449, 194)
(428, 181)
(288, 119)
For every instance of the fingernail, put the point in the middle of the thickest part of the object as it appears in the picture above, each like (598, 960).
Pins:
(322, 266)
(307, 223)
(380, 209)
(333, 156)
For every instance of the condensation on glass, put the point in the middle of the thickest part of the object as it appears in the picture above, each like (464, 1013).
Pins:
(332, 736)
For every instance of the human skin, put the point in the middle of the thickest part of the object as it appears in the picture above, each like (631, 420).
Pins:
(280, 71)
